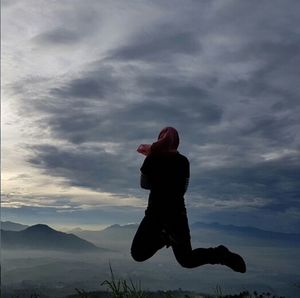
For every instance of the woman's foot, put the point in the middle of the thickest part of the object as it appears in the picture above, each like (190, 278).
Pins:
(229, 259)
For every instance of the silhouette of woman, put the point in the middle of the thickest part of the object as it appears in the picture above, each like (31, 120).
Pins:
(165, 172)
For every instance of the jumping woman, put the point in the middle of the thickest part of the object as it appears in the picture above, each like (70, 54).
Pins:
(165, 172)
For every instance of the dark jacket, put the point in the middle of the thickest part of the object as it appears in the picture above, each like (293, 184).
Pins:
(167, 176)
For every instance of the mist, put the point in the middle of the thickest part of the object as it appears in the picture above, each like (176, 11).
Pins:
(271, 266)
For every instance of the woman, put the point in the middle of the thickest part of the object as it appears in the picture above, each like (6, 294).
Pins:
(165, 172)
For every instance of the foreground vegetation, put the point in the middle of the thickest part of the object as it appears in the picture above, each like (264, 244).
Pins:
(121, 288)
(172, 294)
(128, 290)
(146, 294)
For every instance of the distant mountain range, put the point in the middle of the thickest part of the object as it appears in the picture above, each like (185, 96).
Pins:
(45, 238)
(249, 232)
(117, 236)
(116, 231)
(12, 226)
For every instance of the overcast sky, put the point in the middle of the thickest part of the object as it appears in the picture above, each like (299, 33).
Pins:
(85, 82)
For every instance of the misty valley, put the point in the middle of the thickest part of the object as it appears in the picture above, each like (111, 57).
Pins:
(54, 263)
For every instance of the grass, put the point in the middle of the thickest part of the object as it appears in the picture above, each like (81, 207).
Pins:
(123, 288)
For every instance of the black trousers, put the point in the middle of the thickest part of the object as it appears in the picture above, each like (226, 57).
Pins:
(155, 232)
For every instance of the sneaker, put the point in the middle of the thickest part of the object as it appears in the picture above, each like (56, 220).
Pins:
(231, 260)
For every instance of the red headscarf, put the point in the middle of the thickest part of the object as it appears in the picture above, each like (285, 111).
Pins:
(168, 141)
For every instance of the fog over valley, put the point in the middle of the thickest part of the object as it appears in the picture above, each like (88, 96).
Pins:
(271, 259)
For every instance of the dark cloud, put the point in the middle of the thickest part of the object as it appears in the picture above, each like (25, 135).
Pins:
(58, 36)
(82, 88)
(191, 99)
(274, 130)
(89, 168)
(225, 75)
(276, 181)
(95, 84)
(70, 26)
(277, 72)
(158, 45)
(94, 106)
(8, 3)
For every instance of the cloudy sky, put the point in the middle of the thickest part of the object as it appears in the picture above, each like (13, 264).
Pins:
(85, 82)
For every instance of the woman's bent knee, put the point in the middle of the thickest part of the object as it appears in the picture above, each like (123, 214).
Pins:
(138, 257)
(141, 255)
(185, 262)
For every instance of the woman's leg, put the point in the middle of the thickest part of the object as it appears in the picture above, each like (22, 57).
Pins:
(191, 258)
(180, 239)
(148, 239)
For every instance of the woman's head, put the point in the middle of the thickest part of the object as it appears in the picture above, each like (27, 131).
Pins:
(167, 141)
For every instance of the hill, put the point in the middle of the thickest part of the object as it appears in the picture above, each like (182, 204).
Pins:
(113, 237)
(247, 232)
(44, 238)
(12, 226)
(121, 235)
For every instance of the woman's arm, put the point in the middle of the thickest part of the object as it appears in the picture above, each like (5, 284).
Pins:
(145, 172)
(186, 184)
(186, 174)
(144, 181)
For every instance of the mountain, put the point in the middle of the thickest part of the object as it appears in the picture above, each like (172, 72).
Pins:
(45, 238)
(247, 232)
(120, 236)
(113, 237)
(113, 232)
(120, 232)
(12, 226)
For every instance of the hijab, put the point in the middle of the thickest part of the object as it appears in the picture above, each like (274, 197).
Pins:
(167, 142)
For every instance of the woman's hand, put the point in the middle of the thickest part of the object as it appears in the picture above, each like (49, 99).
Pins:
(144, 149)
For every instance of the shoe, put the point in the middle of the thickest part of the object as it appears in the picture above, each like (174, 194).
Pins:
(231, 260)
